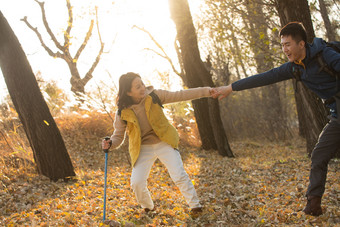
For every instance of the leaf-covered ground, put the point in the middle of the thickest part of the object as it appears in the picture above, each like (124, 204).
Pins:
(263, 185)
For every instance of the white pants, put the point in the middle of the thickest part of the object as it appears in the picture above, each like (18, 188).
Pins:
(173, 162)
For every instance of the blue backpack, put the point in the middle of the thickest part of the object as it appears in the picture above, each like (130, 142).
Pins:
(322, 64)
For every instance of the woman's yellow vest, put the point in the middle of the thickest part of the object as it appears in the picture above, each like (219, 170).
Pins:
(159, 123)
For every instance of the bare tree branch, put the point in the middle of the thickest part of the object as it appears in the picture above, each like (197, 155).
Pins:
(336, 4)
(164, 55)
(152, 50)
(115, 88)
(10, 147)
(48, 29)
(103, 103)
(180, 60)
(97, 23)
(77, 84)
(113, 41)
(87, 37)
(88, 75)
(69, 24)
(35, 30)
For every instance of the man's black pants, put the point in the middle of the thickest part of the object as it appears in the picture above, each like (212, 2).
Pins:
(324, 150)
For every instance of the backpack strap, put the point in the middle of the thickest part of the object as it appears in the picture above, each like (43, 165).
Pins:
(325, 67)
(119, 112)
(296, 74)
(337, 99)
(335, 45)
(156, 99)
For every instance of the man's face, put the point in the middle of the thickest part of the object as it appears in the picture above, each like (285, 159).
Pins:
(294, 51)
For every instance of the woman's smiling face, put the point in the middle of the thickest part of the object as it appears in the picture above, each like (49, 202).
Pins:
(137, 92)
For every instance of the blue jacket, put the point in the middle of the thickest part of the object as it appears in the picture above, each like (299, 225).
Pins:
(323, 84)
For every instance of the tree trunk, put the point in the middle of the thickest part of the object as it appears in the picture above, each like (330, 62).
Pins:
(310, 108)
(196, 75)
(77, 87)
(237, 51)
(48, 147)
(324, 13)
(271, 102)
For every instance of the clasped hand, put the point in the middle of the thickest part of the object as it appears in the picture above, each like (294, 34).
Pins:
(220, 92)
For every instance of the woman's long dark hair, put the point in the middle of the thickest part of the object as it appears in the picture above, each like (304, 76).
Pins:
(125, 83)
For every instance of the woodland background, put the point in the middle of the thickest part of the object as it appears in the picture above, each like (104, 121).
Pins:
(265, 182)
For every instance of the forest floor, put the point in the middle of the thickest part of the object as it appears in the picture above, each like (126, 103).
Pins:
(263, 185)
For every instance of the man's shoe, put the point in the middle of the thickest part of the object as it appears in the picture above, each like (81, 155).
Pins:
(313, 206)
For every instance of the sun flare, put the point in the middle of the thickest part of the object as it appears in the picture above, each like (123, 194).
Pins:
(127, 48)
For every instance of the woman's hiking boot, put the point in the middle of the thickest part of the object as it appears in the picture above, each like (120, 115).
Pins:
(195, 212)
(147, 210)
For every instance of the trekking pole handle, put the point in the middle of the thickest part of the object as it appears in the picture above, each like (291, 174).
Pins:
(107, 150)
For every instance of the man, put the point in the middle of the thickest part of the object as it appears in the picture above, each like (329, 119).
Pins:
(302, 63)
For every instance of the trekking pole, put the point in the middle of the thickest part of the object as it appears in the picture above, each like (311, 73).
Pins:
(105, 179)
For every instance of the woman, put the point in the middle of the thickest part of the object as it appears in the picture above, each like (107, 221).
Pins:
(151, 136)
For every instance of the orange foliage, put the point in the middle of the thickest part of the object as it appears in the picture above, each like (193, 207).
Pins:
(85, 125)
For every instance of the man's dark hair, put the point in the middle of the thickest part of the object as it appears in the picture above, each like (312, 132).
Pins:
(296, 30)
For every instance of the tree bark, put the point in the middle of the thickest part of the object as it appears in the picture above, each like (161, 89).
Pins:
(48, 147)
(196, 75)
(311, 111)
(328, 25)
